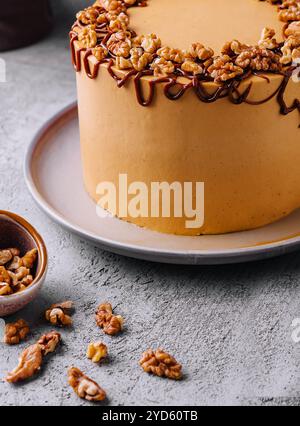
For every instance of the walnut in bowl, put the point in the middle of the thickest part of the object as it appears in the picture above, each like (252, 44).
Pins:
(23, 263)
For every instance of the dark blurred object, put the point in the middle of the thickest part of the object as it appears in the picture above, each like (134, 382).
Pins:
(23, 22)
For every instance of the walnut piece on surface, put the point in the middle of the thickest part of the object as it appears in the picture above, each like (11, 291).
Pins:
(267, 39)
(96, 352)
(162, 67)
(293, 29)
(200, 52)
(291, 49)
(233, 48)
(30, 363)
(192, 67)
(223, 69)
(149, 43)
(113, 6)
(258, 59)
(85, 387)
(100, 53)
(57, 314)
(105, 319)
(119, 43)
(161, 364)
(31, 359)
(88, 36)
(139, 58)
(169, 54)
(49, 342)
(119, 23)
(123, 63)
(289, 10)
(88, 16)
(16, 332)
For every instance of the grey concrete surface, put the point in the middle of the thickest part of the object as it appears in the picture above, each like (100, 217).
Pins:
(230, 326)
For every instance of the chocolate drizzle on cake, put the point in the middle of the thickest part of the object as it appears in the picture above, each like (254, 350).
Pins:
(174, 88)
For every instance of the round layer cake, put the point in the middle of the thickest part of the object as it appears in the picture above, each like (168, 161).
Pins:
(194, 91)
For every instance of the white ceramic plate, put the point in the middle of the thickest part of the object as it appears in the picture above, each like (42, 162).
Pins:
(54, 178)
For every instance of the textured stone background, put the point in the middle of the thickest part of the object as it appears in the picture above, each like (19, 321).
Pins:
(230, 326)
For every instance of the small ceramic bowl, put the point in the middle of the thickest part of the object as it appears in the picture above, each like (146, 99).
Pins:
(16, 232)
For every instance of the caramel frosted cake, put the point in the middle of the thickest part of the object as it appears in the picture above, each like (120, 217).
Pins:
(193, 91)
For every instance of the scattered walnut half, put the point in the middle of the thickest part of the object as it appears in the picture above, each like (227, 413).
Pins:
(49, 342)
(161, 364)
(96, 351)
(85, 387)
(111, 324)
(31, 359)
(57, 314)
(30, 363)
(16, 332)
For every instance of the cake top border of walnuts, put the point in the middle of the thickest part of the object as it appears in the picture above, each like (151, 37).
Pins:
(103, 31)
